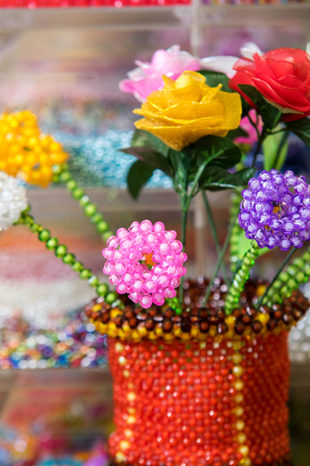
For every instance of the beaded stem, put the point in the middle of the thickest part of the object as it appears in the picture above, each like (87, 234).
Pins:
(60, 250)
(295, 274)
(240, 278)
(63, 175)
(236, 229)
(269, 288)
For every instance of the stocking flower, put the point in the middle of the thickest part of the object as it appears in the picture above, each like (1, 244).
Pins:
(145, 261)
(225, 63)
(147, 77)
(25, 151)
(275, 210)
(13, 200)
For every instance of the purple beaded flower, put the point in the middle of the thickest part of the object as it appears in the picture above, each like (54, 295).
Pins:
(275, 210)
(145, 261)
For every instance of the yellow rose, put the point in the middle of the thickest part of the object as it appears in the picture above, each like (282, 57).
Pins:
(187, 109)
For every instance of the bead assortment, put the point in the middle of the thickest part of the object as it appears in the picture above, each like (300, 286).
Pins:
(72, 343)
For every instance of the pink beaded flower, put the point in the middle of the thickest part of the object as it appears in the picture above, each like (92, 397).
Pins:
(147, 77)
(145, 261)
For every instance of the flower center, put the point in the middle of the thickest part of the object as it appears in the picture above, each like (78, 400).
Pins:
(276, 207)
(148, 260)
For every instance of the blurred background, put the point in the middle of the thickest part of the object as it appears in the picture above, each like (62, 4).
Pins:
(65, 65)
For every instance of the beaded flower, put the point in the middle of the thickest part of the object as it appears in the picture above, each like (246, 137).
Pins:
(148, 77)
(25, 151)
(275, 210)
(145, 261)
(13, 200)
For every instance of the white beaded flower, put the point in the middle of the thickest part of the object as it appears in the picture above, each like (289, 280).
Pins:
(13, 200)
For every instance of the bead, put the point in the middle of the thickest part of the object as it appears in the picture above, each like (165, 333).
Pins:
(93, 281)
(68, 259)
(61, 250)
(110, 297)
(77, 266)
(52, 243)
(85, 274)
(90, 209)
(102, 289)
(71, 185)
(65, 177)
(106, 235)
(102, 226)
(44, 235)
(96, 218)
(77, 193)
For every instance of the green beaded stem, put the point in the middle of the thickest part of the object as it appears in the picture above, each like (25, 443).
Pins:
(63, 175)
(240, 278)
(61, 251)
(295, 274)
(236, 230)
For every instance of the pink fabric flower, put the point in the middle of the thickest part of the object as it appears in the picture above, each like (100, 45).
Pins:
(145, 261)
(245, 124)
(147, 77)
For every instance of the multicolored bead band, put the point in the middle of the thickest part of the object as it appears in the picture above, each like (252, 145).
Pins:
(132, 323)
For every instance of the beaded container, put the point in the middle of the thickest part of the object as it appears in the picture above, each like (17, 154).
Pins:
(201, 387)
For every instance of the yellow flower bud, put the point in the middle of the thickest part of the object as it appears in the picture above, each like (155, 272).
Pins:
(25, 151)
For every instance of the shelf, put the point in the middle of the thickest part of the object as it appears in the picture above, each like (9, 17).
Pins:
(127, 18)
(146, 18)
(268, 15)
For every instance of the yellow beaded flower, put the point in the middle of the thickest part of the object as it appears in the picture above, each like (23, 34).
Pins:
(187, 109)
(25, 152)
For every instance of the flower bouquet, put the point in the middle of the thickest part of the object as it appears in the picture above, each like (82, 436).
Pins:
(200, 366)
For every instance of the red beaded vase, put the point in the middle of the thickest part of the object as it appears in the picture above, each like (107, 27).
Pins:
(201, 388)
(198, 403)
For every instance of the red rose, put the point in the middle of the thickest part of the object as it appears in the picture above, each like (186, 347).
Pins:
(282, 76)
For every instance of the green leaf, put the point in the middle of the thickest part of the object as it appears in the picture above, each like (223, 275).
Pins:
(301, 128)
(150, 157)
(245, 107)
(243, 245)
(271, 146)
(237, 133)
(139, 174)
(214, 78)
(216, 178)
(217, 150)
(142, 138)
(181, 164)
(270, 114)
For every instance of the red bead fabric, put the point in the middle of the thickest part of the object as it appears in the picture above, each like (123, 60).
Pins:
(32, 4)
(200, 403)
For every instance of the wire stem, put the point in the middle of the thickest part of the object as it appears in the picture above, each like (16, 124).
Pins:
(214, 232)
(218, 264)
(269, 288)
